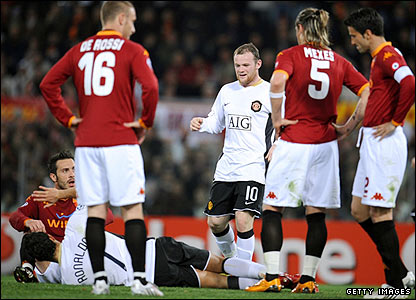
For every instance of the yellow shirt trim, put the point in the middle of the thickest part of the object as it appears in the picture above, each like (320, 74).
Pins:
(282, 71)
(395, 123)
(258, 82)
(142, 124)
(378, 49)
(109, 32)
(70, 121)
(362, 89)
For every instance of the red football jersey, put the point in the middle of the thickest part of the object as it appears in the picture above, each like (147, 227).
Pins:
(104, 69)
(383, 103)
(54, 217)
(316, 77)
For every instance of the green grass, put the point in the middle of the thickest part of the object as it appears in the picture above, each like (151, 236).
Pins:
(10, 289)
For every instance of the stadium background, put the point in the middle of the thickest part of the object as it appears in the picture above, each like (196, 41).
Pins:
(191, 45)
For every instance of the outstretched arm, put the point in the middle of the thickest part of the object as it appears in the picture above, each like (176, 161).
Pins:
(52, 195)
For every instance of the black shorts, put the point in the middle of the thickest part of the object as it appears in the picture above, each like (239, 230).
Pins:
(227, 197)
(174, 260)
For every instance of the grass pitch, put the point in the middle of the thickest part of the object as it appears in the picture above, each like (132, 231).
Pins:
(10, 289)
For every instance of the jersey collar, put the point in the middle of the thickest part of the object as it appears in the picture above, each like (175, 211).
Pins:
(378, 49)
(109, 32)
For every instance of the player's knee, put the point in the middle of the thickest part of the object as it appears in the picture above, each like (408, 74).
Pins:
(216, 224)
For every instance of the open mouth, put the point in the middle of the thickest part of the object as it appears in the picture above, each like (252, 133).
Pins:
(71, 183)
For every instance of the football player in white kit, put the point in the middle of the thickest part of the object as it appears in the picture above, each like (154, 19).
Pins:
(168, 262)
(243, 109)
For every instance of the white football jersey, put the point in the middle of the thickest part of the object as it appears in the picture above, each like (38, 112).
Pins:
(75, 266)
(245, 114)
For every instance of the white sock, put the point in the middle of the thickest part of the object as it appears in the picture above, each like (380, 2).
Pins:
(226, 243)
(139, 274)
(100, 274)
(246, 282)
(272, 261)
(243, 268)
(245, 247)
(310, 265)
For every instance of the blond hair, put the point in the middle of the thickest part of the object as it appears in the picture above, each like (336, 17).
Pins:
(315, 24)
(248, 48)
(110, 10)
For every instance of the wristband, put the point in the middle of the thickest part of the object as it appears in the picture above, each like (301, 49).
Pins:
(277, 95)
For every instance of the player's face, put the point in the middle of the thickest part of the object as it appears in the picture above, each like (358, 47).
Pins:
(128, 26)
(246, 68)
(65, 174)
(358, 40)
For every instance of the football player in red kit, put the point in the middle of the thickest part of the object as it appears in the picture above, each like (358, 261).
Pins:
(109, 164)
(304, 167)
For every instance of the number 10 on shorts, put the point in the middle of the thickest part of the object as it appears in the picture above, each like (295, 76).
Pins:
(251, 193)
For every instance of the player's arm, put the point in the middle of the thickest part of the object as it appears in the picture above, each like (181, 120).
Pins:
(143, 73)
(25, 218)
(406, 79)
(357, 116)
(52, 195)
(50, 87)
(277, 94)
(214, 123)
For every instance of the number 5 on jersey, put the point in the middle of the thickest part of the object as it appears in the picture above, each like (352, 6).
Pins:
(95, 70)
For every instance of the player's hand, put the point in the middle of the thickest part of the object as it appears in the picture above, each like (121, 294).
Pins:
(413, 162)
(270, 153)
(279, 125)
(138, 129)
(50, 195)
(196, 123)
(383, 130)
(341, 130)
(35, 226)
(75, 122)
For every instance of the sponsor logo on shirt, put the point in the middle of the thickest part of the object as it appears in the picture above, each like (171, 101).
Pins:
(387, 55)
(239, 122)
(256, 106)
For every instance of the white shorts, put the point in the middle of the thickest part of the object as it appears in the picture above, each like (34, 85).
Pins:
(109, 174)
(303, 173)
(381, 168)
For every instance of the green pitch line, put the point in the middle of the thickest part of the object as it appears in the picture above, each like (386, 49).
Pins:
(10, 289)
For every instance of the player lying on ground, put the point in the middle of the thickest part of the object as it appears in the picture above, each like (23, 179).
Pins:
(168, 262)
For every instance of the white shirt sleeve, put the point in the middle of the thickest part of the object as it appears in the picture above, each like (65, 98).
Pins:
(51, 275)
(215, 122)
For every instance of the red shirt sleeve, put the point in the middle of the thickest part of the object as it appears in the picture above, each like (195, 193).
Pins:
(29, 210)
(284, 62)
(406, 99)
(353, 79)
(51, 89)
(143, 73)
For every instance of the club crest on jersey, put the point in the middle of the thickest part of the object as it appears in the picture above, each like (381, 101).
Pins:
(239, 122)
(256, 106)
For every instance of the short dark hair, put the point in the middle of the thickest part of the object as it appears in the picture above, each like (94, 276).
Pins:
(366, 18)
(248, 48)
(64, 154)
(38, 246)
(110, 10)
